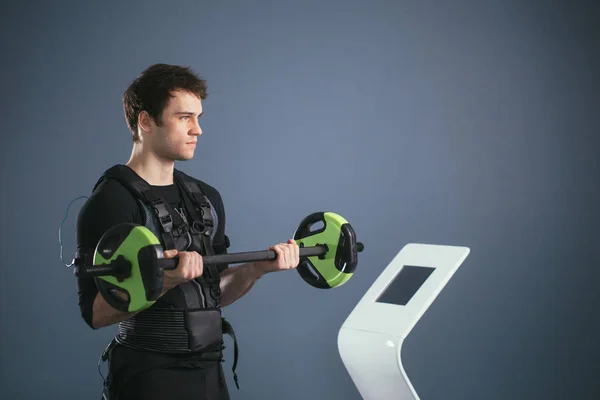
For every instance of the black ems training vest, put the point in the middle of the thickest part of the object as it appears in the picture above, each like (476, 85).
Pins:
(198, 327)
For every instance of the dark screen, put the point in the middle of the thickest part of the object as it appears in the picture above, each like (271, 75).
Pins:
(405, 285)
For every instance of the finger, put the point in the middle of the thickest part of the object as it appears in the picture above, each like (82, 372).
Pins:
(186, 266)
(170, 253)
(288, 254)
(192, 266)
(296, 254)
(280, 254)
(198, 265)
(295, 251)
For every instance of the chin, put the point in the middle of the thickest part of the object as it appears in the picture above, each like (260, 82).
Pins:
(184, 157)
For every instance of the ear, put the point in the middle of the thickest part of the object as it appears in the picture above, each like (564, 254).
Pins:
(145, 121)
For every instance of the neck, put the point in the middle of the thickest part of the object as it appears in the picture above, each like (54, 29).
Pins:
(153, 169)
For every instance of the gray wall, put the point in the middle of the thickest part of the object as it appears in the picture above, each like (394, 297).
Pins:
(455, 123)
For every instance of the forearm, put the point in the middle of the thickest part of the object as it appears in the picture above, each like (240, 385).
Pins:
(236, 281)
(103, 314)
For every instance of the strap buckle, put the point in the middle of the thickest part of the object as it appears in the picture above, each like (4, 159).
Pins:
(163, 215)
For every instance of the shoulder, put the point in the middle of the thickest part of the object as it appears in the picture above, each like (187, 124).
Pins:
(211, 192)
(110, 196)
(109, 204)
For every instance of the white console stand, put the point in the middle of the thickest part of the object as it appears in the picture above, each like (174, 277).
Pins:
(370, 339)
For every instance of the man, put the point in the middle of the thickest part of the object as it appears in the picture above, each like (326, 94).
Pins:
(162, 107)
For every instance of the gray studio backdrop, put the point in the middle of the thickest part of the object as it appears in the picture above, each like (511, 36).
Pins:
(455, 123)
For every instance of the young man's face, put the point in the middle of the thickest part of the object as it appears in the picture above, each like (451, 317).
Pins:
(178, 132)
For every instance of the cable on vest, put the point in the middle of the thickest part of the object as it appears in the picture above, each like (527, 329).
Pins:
(60, 231)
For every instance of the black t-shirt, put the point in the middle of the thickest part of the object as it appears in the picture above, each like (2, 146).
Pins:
(112, 204)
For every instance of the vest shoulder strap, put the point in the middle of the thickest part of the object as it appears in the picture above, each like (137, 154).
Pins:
(201, 208)
(141, 190)
(203, 223)
(196, 190)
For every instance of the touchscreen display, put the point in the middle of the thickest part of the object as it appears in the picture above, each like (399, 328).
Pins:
(404, 286)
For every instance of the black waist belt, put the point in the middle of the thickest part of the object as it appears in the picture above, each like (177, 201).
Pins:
(167, 330)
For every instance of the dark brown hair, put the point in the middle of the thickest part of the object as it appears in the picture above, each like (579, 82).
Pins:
(153, 88)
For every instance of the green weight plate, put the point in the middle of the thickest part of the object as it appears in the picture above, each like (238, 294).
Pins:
(128, 246)
(337, 265)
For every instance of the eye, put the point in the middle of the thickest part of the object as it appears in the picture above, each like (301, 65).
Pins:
(185, 117)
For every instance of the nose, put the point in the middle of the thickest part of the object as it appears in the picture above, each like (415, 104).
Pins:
(196, 130)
